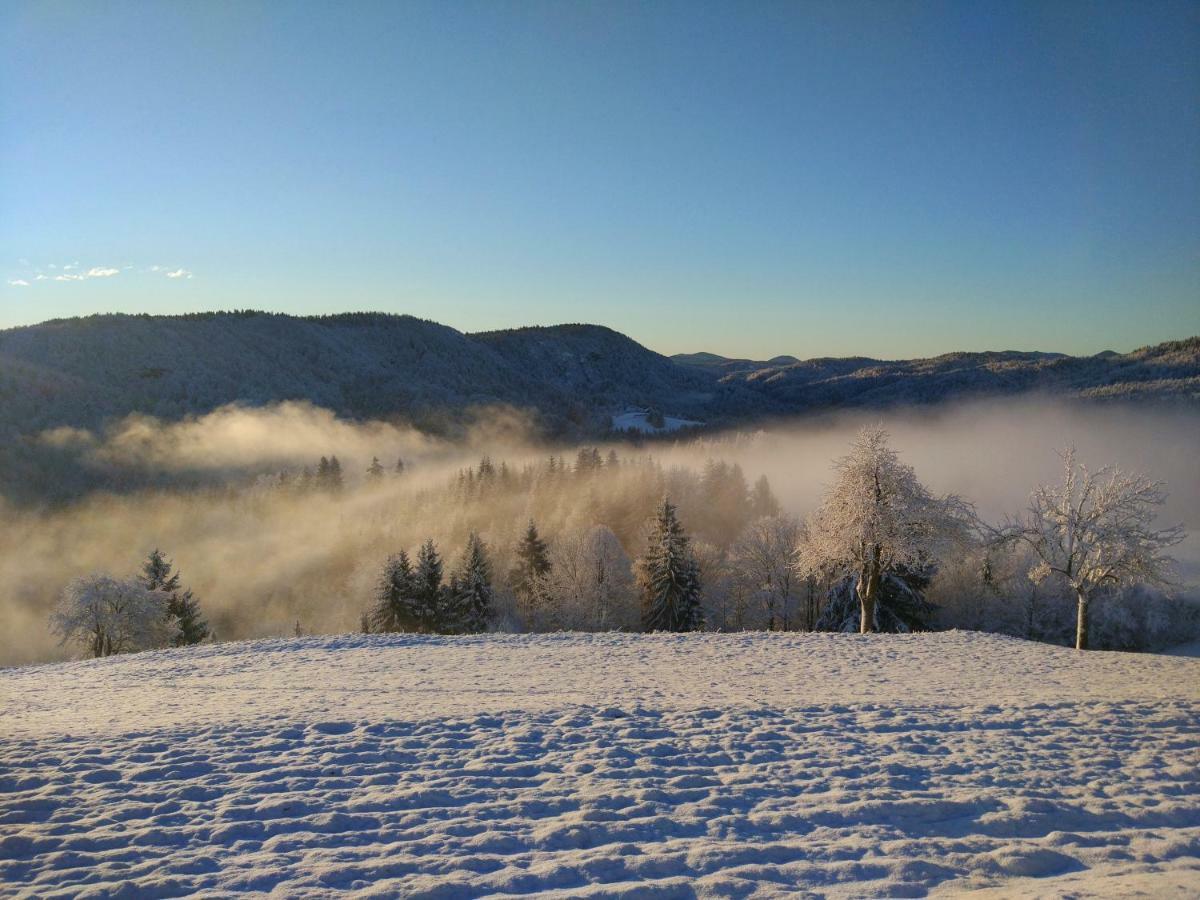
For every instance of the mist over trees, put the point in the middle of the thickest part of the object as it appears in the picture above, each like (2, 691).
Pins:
(538, 540)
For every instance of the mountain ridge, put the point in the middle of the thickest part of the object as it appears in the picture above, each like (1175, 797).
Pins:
(85, 371)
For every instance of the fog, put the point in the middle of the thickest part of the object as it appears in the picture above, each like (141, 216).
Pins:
(261, 558)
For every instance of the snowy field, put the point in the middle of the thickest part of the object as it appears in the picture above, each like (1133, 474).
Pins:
(639, 420)
(660, 766)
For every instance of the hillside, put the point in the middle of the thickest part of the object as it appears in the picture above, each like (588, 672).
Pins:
(1169, 371)
(83, 372)
(721, 764)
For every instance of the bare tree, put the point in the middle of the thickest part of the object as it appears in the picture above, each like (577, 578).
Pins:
(766, 557)
(592, 578)
(107, 616)
(1095, 529)
(877, 518)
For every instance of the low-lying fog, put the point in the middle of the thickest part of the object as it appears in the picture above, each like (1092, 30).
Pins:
(261, 558)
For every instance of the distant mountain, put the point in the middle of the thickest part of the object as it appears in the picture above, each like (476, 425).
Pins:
(83, 372)
(1169, 371)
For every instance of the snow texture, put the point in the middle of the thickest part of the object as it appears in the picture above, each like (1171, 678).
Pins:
(600, 765)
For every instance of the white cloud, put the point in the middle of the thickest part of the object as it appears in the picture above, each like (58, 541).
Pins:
(72, 272)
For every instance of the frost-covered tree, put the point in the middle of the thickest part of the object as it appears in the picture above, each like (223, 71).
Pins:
(397, 606)
(529, 580)
(182, 606)
(105, 615)
(669, 577)
(876, 519)
(591, 578)
(1095, 530)
(900, 607)
(427, 588)
(471, 588)
(765, 557)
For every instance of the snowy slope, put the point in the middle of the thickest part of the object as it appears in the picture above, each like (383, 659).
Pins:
(710, 765)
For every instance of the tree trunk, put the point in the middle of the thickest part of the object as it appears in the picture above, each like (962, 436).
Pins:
(868, 591)
(1081, 622)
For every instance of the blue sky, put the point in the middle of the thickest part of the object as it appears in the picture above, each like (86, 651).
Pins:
(891, 179)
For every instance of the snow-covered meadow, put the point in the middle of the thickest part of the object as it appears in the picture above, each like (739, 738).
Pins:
(589, 765)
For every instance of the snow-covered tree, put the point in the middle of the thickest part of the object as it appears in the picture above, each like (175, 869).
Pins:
(106, 616)
(397, 607)
(471, 588)
(900, 606)
(1095, 530)
(876, 519)
(590, 576)
(157, 575)
(529, 581)
(427, 588)
(765, 557)
(669, 577)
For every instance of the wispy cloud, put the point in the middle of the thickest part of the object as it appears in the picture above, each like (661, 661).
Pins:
(72, 272)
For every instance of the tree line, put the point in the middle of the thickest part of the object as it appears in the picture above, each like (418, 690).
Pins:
(880, 553)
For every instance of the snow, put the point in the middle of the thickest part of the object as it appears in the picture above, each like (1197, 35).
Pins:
(589, 765)
(639, 420)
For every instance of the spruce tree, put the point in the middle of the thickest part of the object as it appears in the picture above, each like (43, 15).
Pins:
(157, 575)
(335, 475)
(669, 577)
(528, 577)
(399, 470)
(397, 606)
(427, 590)
(375, 470)
(472, 588)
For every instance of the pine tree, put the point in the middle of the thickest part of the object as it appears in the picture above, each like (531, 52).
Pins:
(335, 475)
(427, 588)
(399, 470)
(762, 499)
(397, 606)
(375, 470)
(669, 577)
(471, 588)
(528, 577)
(181, 604)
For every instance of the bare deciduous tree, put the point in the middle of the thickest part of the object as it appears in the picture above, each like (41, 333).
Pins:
(766, 558)
(1095, 529)
(106, 616)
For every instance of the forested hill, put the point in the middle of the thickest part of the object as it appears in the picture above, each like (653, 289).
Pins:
(85, 371)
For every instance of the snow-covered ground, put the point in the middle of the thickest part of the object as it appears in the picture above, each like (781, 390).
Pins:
(665, 766)
(639, 420)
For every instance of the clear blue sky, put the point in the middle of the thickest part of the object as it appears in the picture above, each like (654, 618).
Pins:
(891, 179)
